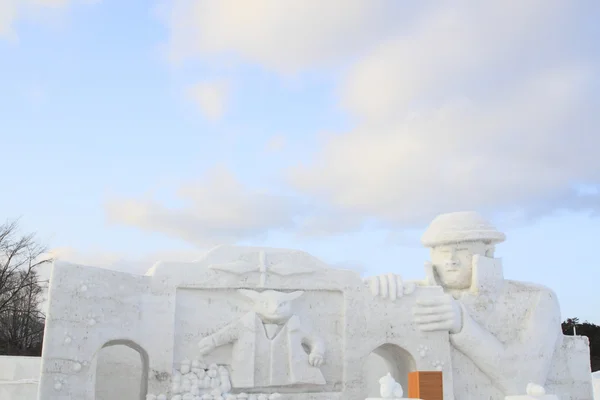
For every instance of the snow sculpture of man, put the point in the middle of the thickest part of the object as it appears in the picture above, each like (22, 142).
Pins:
(503, 333)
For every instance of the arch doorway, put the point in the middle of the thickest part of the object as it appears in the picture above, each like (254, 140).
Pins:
(121, 371)
(387, 358)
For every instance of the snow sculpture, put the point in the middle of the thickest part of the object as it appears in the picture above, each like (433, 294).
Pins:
(534, 392)
(268, 344)
(281, 305)
(262, 317)
(504, 333)
(281, 267)
(389, 389)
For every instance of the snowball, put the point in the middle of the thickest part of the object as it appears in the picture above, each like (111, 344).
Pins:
(225, 386)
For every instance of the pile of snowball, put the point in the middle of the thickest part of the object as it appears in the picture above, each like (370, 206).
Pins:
(196, 381)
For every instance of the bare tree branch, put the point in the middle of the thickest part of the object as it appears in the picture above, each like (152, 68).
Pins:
(21, 319)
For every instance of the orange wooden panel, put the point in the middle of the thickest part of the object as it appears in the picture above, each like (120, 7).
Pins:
(425, 385)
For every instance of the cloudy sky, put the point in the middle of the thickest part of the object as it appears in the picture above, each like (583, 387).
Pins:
(133, 131)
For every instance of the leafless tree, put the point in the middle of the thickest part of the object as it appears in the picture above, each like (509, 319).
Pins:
(21, 318)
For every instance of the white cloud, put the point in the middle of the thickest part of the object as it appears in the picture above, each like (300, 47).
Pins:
(526, 148)
(285, 36)
(210, 97)
(325, 221)
(457, 114)
(11, 11)
(219, 209)
(352, 266)
(478, 105)
(275, 144)
(447, 50)
(8, 15)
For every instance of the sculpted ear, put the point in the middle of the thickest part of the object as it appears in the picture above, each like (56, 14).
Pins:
(251, 294)
(294, 295)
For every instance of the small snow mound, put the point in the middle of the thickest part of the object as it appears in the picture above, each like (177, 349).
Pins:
(195, 380)
(596, 383)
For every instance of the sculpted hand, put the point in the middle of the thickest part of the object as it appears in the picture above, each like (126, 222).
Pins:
(315, 359)
(206, 345)
(389, 286)
(441, 313)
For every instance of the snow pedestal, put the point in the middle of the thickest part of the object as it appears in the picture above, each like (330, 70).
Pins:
(19, 377)
(426, 384)
(21, 390)
(528, 397)
(534, 392)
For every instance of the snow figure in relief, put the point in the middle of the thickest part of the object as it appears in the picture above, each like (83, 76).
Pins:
(389, 388)
(269, 344)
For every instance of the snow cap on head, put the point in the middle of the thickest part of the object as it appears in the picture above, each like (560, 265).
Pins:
(464, 226)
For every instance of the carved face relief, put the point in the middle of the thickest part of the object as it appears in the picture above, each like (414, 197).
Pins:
(453, 263)
(272, 306)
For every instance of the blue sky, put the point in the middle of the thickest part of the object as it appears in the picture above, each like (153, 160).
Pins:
(136, 131)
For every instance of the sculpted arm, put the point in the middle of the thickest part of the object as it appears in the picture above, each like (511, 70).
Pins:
(314, 342)
(317, 348)
(392, 286)
(511, 366)
(225, 335)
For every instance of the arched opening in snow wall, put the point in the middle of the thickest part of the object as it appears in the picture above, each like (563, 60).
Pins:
(387, 358)
(121, 369)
